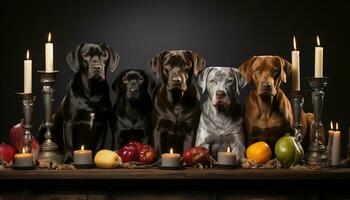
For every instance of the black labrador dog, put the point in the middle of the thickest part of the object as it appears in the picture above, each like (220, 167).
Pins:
(131, 119)
(176, 110)
(82, 118)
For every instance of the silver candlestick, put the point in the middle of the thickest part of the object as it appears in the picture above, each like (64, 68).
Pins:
(49, 149)
(28, 102)
(316, 152)
(297, 101)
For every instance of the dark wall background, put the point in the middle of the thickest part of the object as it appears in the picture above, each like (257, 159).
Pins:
(224, 32)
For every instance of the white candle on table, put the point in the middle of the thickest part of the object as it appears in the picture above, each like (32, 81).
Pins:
(318, 59)
(24, 159)
(27, 74)
(170, 159)
(49, 54)
(295, 67)
(82, 156)
(227, 158)
(335, 158)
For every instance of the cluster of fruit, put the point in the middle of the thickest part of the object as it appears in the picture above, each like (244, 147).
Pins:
(288, 151)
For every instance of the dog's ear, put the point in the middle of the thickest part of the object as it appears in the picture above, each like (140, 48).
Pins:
(72, 58)
(202, 78)
(198, 63)
(240, 80)
(155, 64)
(113, 57)
(286, 68)
(246, 69)
(151, 84)
(117, 82)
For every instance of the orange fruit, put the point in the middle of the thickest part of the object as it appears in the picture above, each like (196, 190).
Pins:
(260, 152)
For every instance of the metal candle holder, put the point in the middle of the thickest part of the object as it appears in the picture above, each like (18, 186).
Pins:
(316, 152)
(49, 149)
(28, 102)
(297, 100)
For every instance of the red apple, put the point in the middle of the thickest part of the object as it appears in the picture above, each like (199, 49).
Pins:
(133, 142)
(128, 153)
(196, 155)
(7, 153)
(16, 139)
(147, 155)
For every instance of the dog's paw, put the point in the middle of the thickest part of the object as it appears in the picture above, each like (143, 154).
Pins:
(249, 164)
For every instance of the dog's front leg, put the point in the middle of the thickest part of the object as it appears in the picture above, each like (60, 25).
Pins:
(68, 141)
(189, 140)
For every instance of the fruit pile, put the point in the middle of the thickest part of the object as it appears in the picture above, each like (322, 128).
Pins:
(288, 151)
(135, 151)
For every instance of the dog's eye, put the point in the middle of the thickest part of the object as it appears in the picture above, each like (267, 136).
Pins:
(85, 56)
(275, 71)
(212, 81)
(257, 72)
(229, 82)
(125, 80)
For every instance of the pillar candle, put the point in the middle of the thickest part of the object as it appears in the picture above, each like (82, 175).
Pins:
(27, 74)
(227, 158)
(82, 156)
(24, 159)
(295, 68)
(318, 60)
(335, 156)
(49, 55)
(170, 159)
(329, 144)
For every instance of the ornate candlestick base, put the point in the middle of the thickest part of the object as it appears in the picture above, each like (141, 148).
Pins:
(297, 101)
(28, 102)
(316, 152)
(49, 149)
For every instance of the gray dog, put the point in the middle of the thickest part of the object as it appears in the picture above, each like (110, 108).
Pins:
(221, 120)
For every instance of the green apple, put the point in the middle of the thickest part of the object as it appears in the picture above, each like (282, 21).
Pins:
(288, 150)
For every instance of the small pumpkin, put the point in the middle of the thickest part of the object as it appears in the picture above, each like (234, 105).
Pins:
(260, 152)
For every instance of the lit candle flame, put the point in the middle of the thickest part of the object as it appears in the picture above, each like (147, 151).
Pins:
(318, 41)
(331, 125)
(27, 54)
(23, 150)
(294, 43)
(171, 151)
(49, 37)
(336, 126)
(228, 149)
(82, 148)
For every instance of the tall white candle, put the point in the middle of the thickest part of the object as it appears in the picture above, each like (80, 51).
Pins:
(318, 60)
(49, 54)
(335, 158)
(295, 67)
(27, 74)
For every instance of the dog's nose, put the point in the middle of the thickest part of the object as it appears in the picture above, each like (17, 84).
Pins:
(97, 67)
(133, 89)
(176, 80)
(266, 86)
(220, 94)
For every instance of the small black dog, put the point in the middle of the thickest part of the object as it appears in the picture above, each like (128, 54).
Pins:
(131, 112)
(82, 118)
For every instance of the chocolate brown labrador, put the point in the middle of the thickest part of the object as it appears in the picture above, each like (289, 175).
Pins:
(268, 113)
(176, 109)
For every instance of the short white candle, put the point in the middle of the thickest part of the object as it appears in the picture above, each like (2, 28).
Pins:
(227, 158)
(170, 159)
(24, 159)
(318, 60)
(82, 156)
(335, 158)
(49, 54)
(295, 67)
(27, 74)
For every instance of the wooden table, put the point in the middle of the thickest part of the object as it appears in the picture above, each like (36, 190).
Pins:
(175, 184)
